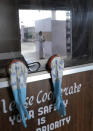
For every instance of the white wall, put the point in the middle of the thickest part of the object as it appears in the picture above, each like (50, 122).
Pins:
(57, 45)
(43, 25)
(59, 37)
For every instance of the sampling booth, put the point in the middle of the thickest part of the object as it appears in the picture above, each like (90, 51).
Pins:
(31, 32)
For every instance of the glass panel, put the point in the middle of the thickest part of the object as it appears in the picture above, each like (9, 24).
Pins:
(45, 33)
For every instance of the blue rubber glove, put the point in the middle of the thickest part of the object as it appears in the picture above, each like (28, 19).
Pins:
(18, 76)
(57, 66)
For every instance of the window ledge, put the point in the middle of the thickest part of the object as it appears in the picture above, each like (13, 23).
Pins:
(4, 82)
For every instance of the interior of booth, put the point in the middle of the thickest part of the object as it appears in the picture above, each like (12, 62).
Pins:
(66, 29)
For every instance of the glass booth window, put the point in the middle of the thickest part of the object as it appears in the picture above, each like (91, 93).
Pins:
(45, 33)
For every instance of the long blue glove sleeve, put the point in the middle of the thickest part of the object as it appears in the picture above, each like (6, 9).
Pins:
(57, 66)
(18, 75)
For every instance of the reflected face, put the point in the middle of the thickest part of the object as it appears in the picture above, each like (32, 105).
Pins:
(40, 33)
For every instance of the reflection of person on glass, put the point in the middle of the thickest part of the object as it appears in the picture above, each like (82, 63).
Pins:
(41, 40)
